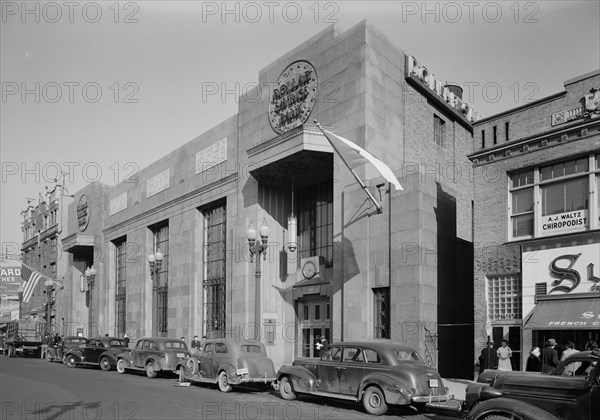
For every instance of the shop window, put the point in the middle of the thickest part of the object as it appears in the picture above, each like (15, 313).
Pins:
(504, 298)
(560, 189)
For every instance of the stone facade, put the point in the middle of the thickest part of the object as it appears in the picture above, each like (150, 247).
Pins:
(418, 250)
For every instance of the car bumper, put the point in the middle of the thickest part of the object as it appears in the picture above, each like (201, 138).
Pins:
(432, 398)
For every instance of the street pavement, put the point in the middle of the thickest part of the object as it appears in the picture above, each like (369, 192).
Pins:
(40, 390)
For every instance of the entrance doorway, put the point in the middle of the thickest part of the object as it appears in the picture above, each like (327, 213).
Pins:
(314, 314)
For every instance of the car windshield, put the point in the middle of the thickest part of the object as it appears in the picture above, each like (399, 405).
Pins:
(405, 355)
(176, 345)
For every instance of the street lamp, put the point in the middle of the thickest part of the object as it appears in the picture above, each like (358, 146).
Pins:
(90, 275)
(257, 248)
(155, 260)
(20, 291)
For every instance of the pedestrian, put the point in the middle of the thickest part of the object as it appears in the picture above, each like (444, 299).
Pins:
(324, 346)
(549, 356)
(196, 344)
(591, 345)
(45, 342)
(534, 363)
(504, 355)
(488, 358)
(318, 346)
(570, 349)
(126, 340)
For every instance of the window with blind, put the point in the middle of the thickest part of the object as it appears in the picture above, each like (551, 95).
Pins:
(215, 234)
(160, 286)
(553, 199)
(121, 286)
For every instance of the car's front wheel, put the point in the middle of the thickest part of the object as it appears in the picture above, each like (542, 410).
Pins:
(70, 361)
(286, 389)
(374, 401)
(121, 366)
(105, 364)
(150, 371)
(223, 382)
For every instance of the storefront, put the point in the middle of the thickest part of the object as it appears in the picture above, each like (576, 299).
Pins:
(537, 221)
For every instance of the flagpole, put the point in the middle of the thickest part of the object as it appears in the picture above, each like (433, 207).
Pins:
(362, 184)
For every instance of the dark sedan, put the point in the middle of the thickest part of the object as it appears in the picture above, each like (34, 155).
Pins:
(572, 391)
(377, 373)
(100, 351)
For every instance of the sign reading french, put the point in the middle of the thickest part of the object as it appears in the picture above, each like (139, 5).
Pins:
(556, 224)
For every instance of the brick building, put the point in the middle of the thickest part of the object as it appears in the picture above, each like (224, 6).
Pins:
(349, 272)
(42, 232)
(537, 195)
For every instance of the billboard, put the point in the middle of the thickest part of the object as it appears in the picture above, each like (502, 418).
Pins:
(10, 281)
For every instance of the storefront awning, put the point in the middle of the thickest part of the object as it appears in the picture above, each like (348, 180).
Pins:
(565, 314)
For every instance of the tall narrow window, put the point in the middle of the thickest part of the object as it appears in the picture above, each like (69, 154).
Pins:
(506, 130)
(215, 234)
(382, 312)
(495, 134)
(315, 222)
(121, 287)
(483, 139)
(439, 130)
(160, 286)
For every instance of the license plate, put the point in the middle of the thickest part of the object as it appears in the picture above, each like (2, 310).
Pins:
(243, 371)
(433, 383)
(180, 354)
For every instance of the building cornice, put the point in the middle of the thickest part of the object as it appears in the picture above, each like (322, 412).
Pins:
(574, 132)
(283, 138)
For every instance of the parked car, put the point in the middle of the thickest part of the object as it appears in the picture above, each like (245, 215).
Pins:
(228, 362)
(153, 354)
(378, 373)
(535, 396)
(99, 351)
(67, 344)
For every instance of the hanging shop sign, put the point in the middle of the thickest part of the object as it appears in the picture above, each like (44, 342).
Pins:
(83, 213)
(590, 109)
(294, 97)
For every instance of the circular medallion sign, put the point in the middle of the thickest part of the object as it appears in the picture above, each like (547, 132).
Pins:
(294, 97)
(83, 212)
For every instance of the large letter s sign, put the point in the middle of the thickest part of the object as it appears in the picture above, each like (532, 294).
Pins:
(565, 274)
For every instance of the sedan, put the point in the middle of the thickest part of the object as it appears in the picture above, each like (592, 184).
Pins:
(377, 373)
(100, 351)
(153, 355)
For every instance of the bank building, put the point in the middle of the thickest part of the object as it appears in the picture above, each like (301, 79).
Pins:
(258, 227)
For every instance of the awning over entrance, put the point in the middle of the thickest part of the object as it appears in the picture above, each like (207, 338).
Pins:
(565, 314)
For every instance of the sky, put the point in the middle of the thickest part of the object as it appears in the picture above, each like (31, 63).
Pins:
(102, 89)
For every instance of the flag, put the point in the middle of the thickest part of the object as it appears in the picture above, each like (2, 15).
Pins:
(31, 278)
(355, 156)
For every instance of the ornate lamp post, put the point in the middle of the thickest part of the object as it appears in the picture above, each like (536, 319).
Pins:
(90, 275)
(20, 291)
(257, 248)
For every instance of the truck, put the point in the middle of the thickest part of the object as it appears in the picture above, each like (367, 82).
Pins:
(24, 337)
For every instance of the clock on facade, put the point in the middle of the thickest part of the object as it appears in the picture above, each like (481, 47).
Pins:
(309, 269)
